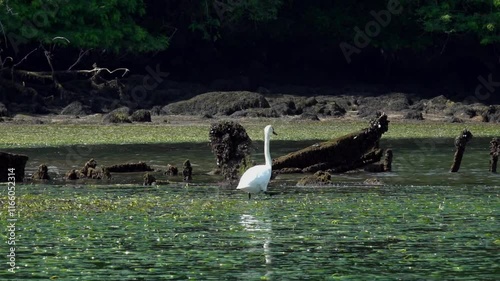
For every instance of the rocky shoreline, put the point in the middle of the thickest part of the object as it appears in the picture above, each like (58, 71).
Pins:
(240, 104)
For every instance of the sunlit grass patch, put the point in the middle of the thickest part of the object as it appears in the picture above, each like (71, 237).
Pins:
(15, 135)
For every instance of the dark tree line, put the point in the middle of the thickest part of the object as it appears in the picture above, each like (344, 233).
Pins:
(378, 39)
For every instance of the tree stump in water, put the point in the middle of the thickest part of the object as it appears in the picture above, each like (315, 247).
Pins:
(382, 166)
(72, 175)
(388, 160)
(149, 179)
(231, 146)
(172, 170)
(460, 143)
(187, 171)
(494, 152)
(42, 173)
(89, 171)
(338, 155)
(88, 167)
(12, 161)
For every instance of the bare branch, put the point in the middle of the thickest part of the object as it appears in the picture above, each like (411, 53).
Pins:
(48, 55)
(25, 57)
(47, 74)
(170, 37)
(99, 69)
(82, 53)
(9, 9)
(2, 62)
(4, 35)
(61, 38)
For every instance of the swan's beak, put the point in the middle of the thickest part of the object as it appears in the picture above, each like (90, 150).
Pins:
(274, 133)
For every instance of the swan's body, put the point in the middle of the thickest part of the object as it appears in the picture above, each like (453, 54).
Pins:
(255, 179)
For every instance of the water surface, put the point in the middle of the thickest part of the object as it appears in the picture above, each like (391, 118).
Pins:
(423, 223)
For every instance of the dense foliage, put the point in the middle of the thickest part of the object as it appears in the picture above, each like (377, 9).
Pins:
(106, 24)
(139, 26)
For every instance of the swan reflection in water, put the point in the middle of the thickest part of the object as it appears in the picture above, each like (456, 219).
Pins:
(252, 224)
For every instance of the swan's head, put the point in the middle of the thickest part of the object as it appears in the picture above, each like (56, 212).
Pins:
(268, 130)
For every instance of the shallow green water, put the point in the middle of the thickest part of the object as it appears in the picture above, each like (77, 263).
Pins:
(416, 161)
(423, 224)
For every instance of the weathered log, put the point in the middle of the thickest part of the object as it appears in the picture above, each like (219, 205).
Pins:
(129, 167)
(17, 162)
(341, 154)
(460, 143)
(494, 152)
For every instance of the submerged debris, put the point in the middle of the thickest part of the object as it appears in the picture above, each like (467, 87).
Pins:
(230, 144)
(373, 181)
(318, 178)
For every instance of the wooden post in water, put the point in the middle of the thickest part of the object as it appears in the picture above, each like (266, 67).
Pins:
(460, 143)
(388, 160)
(494, 152)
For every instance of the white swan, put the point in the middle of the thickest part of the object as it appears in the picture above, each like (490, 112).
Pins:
(255, 179)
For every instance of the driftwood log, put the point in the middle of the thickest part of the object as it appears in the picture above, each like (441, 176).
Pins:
(342, 154)
(12, 161)
(460, 143)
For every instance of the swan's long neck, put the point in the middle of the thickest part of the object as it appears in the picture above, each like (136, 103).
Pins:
(267, 153)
